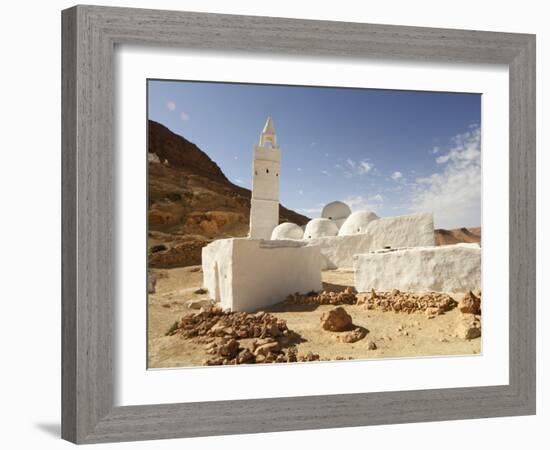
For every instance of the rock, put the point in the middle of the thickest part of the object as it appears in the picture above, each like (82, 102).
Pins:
(371, 345)
(198, 304)
(201, 291)
(230, 349)
(468, 327)
(470, 304)
(214, 362)
(246, 357)
(265, 349)
(352, 336)
(259, 342)
(336, 319)
(432, 312)
(309, 357)
(292, 354)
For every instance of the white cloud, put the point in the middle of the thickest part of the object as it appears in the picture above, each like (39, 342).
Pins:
(324, 172)
(454, 195)
(396, 175)
(435, 149)
(352, 167)
(239, 181)
(184, 116)
(299, 169)
(300, 192)
(364, 167)
(171, 105)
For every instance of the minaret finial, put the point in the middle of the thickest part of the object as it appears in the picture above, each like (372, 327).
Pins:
(268, 134)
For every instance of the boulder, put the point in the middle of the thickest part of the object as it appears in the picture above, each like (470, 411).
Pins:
(470, 304)
(468, 327)
(352, 336)
(336, 319)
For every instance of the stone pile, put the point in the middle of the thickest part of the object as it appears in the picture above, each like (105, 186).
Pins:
(222, 333)
(432, 303)
(347, 297)
(213, 322)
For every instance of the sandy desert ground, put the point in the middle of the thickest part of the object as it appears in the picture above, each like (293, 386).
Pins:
(394, 334)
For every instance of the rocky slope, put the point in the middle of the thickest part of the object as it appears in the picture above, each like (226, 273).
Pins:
(191, 202)
(457, 235)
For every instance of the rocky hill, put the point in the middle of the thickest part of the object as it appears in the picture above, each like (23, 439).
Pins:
(457, 235)
(191, 201)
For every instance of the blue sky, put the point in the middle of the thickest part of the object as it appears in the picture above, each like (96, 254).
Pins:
(394, 152)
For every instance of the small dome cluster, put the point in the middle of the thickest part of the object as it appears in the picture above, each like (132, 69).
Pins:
(317, 228)
(287, 230)
(357, 222)
(336, 220)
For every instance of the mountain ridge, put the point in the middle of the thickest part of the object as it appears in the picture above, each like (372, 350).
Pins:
(191, 201)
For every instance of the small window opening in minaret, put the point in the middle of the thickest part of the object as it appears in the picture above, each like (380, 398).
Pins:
(255, 172)
(266, 170)
(276, 174)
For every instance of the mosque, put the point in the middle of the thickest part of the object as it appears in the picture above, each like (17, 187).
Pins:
(247, 274)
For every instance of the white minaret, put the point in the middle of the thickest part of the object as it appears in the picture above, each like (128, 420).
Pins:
(264, 205)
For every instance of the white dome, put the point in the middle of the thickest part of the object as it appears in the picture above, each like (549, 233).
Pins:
(357, 222)
(287, 230)
(320, 228)
(336, 211)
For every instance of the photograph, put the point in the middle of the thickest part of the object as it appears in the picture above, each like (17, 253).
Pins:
(292, 224)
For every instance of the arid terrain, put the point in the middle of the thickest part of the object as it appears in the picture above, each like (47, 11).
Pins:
(457, 235)
(388, 334)
(190, 204)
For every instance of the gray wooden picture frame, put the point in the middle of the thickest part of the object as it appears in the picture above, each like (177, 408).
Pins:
(90, 34)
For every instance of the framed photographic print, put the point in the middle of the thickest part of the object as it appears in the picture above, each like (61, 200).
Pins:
(278, 224)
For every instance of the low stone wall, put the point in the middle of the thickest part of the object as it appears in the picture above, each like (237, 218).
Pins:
(447, 268)
(395, 232)
(250, 274)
